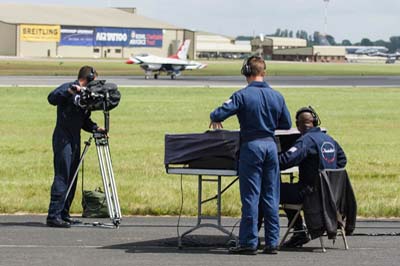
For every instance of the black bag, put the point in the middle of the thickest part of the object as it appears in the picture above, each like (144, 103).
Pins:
(94, 204)
(100, 95)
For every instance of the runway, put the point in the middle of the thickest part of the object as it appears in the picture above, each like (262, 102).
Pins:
(148, 241)
(213, 81)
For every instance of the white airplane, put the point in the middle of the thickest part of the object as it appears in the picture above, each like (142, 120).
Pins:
(172, 65)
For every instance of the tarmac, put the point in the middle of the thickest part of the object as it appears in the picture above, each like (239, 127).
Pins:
(25, 240)
(212, 81)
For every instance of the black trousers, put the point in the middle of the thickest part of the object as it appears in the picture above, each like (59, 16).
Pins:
(290, 194)
(66, 160)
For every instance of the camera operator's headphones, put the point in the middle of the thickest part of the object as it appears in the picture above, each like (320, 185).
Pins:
(92, 75)
(309, 109)
(246, 68)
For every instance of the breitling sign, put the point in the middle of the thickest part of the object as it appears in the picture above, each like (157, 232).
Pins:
(40, 33)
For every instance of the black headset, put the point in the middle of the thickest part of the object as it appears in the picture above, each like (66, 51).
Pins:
(309, 109)
(246, 68)
(91, 76)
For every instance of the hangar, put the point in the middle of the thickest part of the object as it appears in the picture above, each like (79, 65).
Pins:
(312, 54)
(210, 45)
(64, 31)
(270, 44)
(295, 49)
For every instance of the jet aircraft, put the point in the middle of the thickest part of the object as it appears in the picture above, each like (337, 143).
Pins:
(172, 65)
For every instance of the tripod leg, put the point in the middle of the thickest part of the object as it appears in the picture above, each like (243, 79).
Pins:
(108, 181)
(87, 144)
(104, 176)
(112, 183)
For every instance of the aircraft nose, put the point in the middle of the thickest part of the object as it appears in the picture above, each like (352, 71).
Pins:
(129, 61)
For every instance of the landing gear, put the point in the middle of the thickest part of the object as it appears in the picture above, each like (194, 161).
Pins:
(146, 77)
(173, 76)
(155, 76)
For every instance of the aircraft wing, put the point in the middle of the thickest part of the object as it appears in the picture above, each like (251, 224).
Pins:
(152, 59)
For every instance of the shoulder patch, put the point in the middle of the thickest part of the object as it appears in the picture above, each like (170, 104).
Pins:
(228, 101)
(292, 149)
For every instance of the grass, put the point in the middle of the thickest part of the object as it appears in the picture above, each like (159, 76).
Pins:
(63, 67)
(364, 120)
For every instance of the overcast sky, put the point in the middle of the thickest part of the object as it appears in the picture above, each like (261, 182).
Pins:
(347, 19)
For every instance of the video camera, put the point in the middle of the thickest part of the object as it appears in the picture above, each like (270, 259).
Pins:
(98, 95)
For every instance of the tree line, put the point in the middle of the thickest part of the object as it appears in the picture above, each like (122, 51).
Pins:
(317, 38)
(320, 39)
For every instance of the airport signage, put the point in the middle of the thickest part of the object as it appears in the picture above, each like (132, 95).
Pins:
(77, 36)
(40, 33)
(128, 37)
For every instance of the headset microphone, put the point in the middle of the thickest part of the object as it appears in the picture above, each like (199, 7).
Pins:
(309, 109)
(91, 76)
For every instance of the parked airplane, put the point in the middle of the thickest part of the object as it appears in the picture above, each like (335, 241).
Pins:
(380, 52)
(172, 65)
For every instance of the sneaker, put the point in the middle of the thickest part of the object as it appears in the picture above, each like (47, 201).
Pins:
(259, 243)
(297, 241)
(270, 250)
(57, 223)
(71, 221)
(239, 250)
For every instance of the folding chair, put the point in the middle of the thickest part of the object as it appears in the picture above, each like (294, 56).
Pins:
(334, 177)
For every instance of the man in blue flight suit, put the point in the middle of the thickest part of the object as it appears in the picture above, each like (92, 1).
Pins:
(71, 118)
(313, 151)
(260, 111)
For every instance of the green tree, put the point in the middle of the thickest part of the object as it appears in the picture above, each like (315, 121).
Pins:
(316, 38)
(330, 39)
(366, 42)
(394, 43)
(346, 43)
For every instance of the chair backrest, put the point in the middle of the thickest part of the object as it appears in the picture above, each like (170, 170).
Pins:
(338, 197)
(336, 179)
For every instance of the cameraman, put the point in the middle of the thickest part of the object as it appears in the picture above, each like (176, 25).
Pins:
(71, 118)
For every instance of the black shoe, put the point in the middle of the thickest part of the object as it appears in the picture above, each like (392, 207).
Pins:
(57, 223)
(243, 250)
(297, 241)
(231, 243)
(71, 221)
(270, 250)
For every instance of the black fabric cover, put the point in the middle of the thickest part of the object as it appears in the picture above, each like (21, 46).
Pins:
(217, 149)
(97, 92)
(285, 139)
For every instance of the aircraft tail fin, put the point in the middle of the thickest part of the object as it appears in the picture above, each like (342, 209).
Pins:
(182, 51)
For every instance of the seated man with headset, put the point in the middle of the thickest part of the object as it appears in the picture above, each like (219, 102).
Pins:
(313, 151)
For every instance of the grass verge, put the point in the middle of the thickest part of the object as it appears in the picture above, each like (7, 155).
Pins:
(214, 68)
(364, 120)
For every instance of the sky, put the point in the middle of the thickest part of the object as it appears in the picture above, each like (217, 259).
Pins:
(347, 19)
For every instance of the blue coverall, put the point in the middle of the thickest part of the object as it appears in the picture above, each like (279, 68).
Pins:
(66, 148)
(313, 151)
(260, 110)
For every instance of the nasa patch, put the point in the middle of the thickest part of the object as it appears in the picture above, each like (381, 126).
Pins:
(328, 152)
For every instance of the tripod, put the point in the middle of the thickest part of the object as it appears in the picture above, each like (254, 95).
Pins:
(107, 173)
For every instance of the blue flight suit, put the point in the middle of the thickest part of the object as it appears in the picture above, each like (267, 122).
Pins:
(313, 151)
(66, 148)
(260, 110)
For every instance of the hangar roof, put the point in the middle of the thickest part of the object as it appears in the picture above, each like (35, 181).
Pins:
(279, 41)
(76, 16)
(315, 50)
